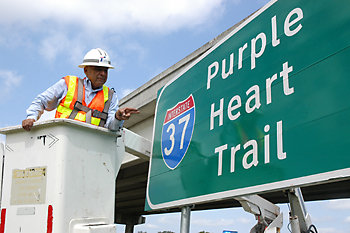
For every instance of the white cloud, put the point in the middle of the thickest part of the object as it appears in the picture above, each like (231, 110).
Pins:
(211, 222)
(149, 226)
(57, 42)
(330, 230)
(322, 219)
(341, 204)
(9, 80)
(69, 28)
(169, 219)
(347, 220)
(52, 45)
(160, 222)
(110, 15)
(244, 220)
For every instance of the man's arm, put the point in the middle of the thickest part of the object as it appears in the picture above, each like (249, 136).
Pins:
(116, 115)
(48, 100)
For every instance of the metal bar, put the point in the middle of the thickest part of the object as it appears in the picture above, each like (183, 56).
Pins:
(129, 228)
(259, 206)
(294, 224)
(136, 144)
(185, 219)
(298, 208)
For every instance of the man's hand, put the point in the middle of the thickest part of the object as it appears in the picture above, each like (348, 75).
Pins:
(125, 113)
(27, 124)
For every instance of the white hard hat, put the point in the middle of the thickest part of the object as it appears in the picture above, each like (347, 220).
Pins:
(96, 57)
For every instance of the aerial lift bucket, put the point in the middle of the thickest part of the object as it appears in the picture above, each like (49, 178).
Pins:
(60, 177)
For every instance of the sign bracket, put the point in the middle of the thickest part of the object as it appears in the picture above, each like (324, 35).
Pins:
(270, 220)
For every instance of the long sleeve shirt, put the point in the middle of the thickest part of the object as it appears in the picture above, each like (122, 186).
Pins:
(49, 100)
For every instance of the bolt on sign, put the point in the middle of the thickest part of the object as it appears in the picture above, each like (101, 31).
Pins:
(267, 108)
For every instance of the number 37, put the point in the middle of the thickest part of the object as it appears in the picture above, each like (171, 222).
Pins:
(172, 128)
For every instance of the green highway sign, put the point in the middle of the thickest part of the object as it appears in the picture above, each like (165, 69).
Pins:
(267, 108)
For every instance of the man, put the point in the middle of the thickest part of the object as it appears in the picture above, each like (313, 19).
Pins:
(87, 100)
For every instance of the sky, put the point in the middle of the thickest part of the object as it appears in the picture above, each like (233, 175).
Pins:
(42, 41)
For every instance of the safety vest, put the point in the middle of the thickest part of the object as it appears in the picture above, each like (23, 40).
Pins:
(73, 105)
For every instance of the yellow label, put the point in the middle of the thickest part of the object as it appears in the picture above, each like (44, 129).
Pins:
(29, 172)
(28, 186)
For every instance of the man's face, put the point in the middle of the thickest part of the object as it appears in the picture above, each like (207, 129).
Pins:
(97, 75)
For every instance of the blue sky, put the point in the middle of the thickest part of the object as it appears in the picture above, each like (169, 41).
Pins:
(42, 41)
(327, 216)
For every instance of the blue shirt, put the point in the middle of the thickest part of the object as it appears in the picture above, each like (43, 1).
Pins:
(49, 100)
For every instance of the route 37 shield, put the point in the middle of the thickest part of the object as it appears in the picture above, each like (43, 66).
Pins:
(177, 132)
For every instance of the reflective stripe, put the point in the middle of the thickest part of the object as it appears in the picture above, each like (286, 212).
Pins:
(64, 111)
(71, 91)
(105, 93)
(94, 60)
(95, 121)
(80, 116)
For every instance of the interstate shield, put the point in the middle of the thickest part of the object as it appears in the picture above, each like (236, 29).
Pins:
(177, 132)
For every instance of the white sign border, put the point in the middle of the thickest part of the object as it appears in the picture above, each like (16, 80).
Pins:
(286, 184)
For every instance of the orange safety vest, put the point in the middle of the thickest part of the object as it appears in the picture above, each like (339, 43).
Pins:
(73, 105)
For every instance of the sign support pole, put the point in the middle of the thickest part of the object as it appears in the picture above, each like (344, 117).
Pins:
(185, 219)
